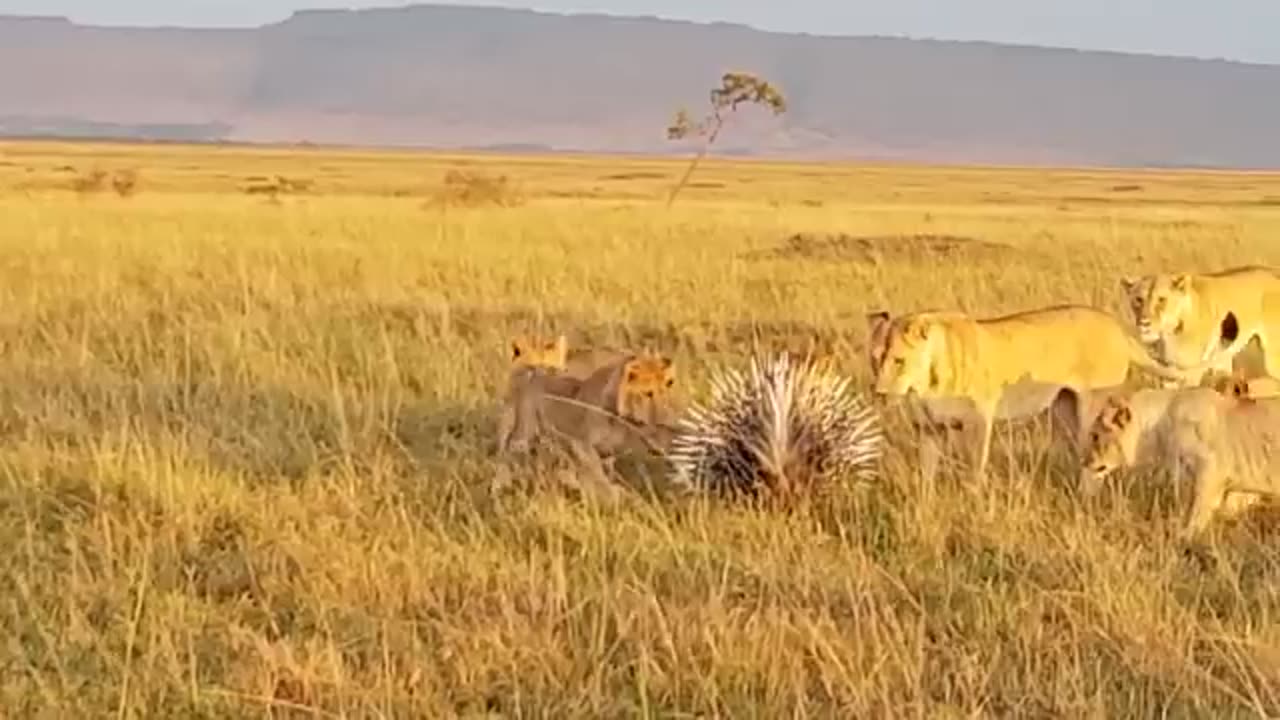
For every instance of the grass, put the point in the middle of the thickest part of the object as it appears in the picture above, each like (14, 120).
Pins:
(244, 445)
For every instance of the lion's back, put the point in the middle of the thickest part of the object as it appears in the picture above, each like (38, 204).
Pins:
(1247, 288)
(581, 363)
(1071, 345)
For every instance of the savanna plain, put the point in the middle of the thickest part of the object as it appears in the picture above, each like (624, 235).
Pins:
(247, 415)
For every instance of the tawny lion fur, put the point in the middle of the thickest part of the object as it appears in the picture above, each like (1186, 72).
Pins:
(551, 354)
(974, 371)
(1228, 444)
(626, 404)
(1187, 318)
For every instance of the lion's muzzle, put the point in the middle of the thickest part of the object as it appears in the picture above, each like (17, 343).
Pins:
(1092, 477)
(1147, 333)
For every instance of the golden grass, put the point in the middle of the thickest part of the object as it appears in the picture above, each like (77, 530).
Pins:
(245, 442)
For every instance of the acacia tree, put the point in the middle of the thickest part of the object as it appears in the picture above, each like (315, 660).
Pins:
(735, 89)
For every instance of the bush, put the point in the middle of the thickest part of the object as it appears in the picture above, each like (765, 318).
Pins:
(91, 182)
(473, 189)
(274, 187)
(125, 182)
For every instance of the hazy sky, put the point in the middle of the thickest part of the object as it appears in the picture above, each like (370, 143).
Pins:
(1236, 29)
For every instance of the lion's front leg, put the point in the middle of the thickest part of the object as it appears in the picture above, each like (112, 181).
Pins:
(594, 469)
(985, 422)
(506, 424)
(1210, 491)
(930, 454)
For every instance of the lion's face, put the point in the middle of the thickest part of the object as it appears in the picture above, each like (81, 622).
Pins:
(540, 352)
(907, 360)
(1228, 384)
(1159, 303)
(644, 393)
(1111, 445)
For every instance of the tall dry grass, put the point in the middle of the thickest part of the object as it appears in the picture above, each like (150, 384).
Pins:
(243, 449)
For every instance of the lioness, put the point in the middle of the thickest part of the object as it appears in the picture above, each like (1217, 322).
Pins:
(1188, 319)
(1228, 443)
(972, 371)
(623, 405)
(1070, 410)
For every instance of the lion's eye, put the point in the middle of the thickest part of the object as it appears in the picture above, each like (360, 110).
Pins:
(899, 362)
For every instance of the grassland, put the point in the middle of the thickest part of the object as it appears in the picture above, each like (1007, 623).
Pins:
(244, 440)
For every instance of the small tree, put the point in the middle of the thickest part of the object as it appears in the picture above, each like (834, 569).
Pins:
(735, 89)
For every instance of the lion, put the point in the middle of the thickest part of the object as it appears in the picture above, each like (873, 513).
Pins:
(551, 354)
(1189, 319)
(624, 405)
(971, 372)
(940, 418)
(1238, 385)
(555, 353)
(1227, 442)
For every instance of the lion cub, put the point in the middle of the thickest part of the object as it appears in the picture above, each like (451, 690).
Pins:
(549, 354)
(1226, 440)
(1236, 385)
(623, 405)
(555, 353)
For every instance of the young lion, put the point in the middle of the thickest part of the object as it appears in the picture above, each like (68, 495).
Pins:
(623, 405)
(1237, 385)
(1190, 319)
(550, 354)
(976, 371)
(1228, 443)
(555, 353)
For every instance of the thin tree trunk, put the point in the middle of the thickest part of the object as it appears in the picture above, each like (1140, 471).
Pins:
(693, 165)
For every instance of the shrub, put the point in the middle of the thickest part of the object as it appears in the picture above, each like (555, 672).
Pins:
(125, 182)
(91, 182)
(474, 189)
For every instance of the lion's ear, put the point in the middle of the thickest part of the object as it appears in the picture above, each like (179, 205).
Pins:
(1182, 282)
(517, 348)
(630, 371)
(918, 330)
(1124, 416)
(877, 320)
(561, 347)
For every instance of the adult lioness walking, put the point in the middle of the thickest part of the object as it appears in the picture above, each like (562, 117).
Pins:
(1187, 318)
(939, 419)
(1007, 366)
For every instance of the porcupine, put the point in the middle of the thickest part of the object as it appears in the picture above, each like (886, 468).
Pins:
(783, 426)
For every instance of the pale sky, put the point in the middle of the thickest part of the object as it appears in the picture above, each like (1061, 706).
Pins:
(1236, 29)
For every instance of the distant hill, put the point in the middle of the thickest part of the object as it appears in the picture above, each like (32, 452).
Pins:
(444, 76)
